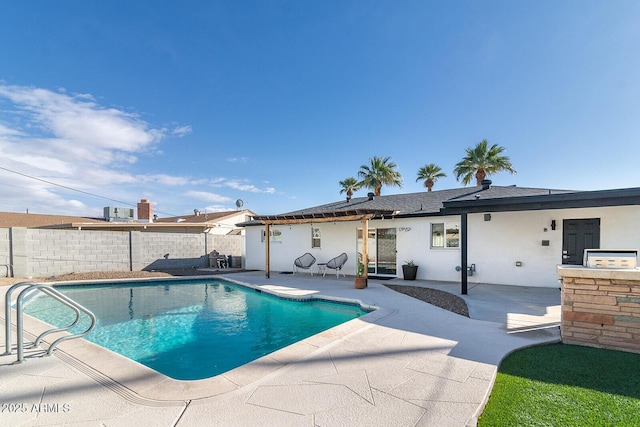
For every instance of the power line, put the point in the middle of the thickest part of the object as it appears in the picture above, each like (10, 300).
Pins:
(76, 190)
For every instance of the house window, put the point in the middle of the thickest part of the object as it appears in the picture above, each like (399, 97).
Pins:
(315, 237)
(274, 236)
(445, 235)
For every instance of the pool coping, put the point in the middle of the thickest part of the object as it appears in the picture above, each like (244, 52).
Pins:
(143, 385)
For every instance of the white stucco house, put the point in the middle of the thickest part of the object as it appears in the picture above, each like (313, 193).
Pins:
(496, 234)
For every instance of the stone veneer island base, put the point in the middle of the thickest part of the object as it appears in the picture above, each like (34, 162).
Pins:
(601, 307)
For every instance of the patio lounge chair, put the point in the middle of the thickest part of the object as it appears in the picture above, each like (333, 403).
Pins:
(337, 263)
(304, 262)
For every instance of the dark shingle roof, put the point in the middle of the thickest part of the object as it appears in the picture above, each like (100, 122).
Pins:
(459, 200)
(510, 191)
(424, 203)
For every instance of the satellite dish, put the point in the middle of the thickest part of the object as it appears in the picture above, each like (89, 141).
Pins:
(239, 203)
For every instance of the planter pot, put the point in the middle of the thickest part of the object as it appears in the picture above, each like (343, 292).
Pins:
(409, 272)
(360, 282)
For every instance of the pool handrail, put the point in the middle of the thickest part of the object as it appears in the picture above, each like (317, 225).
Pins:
(7, 314)
(52, 292)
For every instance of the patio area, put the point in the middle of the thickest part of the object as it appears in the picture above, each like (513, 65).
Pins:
(406, 364)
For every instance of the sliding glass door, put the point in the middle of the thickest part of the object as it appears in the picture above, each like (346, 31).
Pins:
(381, 246)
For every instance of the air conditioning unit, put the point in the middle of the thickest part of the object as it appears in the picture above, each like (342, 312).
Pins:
(115, 214)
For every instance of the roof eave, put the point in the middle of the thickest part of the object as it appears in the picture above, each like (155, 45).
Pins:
(582, 199)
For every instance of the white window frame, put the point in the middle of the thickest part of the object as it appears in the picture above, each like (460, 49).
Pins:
(445, 243)
(316, 238)
(275, 235)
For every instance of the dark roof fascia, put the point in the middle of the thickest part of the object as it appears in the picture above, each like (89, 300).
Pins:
(418, 214)
(252, 223)
(580, 199)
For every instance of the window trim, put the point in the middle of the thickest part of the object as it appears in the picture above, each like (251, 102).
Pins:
(445, 225)
(275, 235)
(316, 236)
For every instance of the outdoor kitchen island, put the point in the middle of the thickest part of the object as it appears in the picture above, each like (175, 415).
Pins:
(601, 305)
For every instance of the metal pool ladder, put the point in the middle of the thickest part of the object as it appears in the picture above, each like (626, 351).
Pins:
(30, 288)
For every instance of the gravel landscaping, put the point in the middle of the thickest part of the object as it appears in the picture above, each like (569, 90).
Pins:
(435, 297)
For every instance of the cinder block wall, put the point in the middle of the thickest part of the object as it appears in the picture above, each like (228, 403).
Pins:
(601, 312)
(5, 256)
(228, 245)
(169, 250)
(44, 253)
(52, 252)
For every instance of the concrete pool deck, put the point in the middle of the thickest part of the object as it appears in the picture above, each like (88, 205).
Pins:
(407, 364)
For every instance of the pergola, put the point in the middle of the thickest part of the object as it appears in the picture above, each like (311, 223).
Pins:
(362, 215)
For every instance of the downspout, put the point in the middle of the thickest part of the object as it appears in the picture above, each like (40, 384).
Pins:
(463, 251)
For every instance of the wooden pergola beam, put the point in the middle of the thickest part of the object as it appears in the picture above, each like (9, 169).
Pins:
(304, 218)
(282, 220)
(316, 219)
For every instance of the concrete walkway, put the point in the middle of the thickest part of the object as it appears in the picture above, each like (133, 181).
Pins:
(407, 364)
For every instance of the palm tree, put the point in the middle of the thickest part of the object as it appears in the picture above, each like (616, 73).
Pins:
(349, 185)
(482, 161)
(380, 172)
(430, 174)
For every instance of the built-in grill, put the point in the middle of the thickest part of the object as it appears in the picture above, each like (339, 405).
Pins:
(611, 258)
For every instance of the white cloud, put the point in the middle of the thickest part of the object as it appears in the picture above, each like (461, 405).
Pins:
(208, 197)
(238, 159)
(5, 131)
(73, 141)
(68, 142)
(164, 179)
(45, 163)
(49, 125)
(216, 208)
(181, 131)
(217, 182)
(201, 181)
(239, 185)
(79, 120)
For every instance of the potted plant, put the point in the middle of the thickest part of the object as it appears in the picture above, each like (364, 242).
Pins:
(360, 281)
(409, 270)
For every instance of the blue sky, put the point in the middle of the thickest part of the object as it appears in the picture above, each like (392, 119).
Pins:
(194, 105)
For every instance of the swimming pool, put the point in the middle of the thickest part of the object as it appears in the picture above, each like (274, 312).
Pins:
(192, 330)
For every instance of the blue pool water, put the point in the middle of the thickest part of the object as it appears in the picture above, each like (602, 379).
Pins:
(192, 330)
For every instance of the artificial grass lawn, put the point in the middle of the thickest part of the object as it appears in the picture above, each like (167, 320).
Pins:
(565, 385)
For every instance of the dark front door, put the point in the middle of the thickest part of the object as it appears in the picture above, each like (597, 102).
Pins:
(578, 235)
